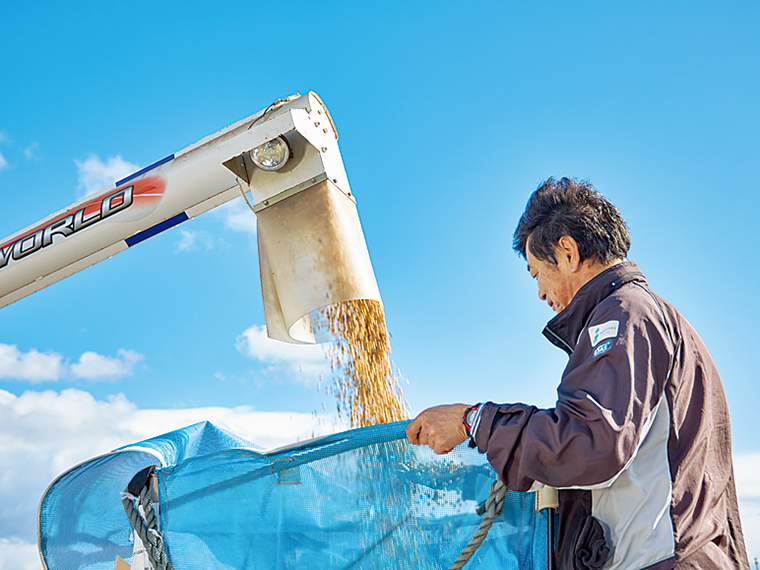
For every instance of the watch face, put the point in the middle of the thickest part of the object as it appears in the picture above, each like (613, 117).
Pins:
(471, 417)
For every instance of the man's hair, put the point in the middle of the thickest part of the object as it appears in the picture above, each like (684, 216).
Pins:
(570, 207)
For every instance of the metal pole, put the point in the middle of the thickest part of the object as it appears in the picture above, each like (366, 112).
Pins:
(550, 533)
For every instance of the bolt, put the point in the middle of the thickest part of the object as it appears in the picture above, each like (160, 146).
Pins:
(316, 123)
(266, 202)
(324, 149)
(324, 130)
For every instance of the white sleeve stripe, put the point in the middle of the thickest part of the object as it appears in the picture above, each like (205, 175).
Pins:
(611, 480)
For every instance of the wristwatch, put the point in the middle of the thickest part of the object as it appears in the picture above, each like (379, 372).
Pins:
(468, 418)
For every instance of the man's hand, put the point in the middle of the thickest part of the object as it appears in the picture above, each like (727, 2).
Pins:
(440, 428)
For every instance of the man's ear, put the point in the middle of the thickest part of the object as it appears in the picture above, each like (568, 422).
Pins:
(567, 253)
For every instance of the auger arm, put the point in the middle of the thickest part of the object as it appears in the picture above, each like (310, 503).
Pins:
(312, 251)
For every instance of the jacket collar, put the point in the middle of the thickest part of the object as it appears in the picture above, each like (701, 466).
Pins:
(564, 329)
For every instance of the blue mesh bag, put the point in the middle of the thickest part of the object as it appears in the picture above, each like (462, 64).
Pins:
(363, 499)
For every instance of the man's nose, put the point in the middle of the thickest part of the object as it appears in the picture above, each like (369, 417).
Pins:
(541, 294)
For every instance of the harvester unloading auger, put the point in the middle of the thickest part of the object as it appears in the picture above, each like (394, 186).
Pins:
(312, 251)
(359, 499)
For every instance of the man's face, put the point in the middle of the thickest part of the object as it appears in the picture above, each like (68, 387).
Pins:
(556, 285)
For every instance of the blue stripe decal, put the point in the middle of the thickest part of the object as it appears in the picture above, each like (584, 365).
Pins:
(146, 169)
(157, 229)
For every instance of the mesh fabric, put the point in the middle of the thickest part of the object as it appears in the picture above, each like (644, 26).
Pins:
(358, 499)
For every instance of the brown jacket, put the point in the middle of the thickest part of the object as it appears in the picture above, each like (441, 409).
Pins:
(638, 442)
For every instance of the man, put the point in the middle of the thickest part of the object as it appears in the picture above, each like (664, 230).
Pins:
(638, 442)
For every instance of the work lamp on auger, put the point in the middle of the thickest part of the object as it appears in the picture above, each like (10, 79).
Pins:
(272, 155)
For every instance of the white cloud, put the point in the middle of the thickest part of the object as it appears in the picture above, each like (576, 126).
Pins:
(17, 554)
(307, 359)
(94, 174)
(94, 366)
(31, 151)
(35, 366)
(238, 216)
(3, 161)
(234, 214)
(747, 473)
(45, 433)
(192, 240)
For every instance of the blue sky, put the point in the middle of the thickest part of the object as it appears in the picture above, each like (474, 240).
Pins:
(449, 115)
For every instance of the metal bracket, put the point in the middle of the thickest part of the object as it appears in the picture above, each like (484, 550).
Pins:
(285, 194)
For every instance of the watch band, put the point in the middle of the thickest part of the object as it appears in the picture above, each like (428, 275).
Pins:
(466, 419)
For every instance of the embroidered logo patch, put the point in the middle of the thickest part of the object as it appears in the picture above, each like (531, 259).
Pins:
(605, 330)
(602, 348)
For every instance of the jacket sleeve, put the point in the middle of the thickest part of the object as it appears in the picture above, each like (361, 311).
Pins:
(608, 393)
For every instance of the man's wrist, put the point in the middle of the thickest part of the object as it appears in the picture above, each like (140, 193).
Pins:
(471, 420)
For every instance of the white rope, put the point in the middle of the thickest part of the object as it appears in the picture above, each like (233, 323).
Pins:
(491, 509)
(146, 527)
